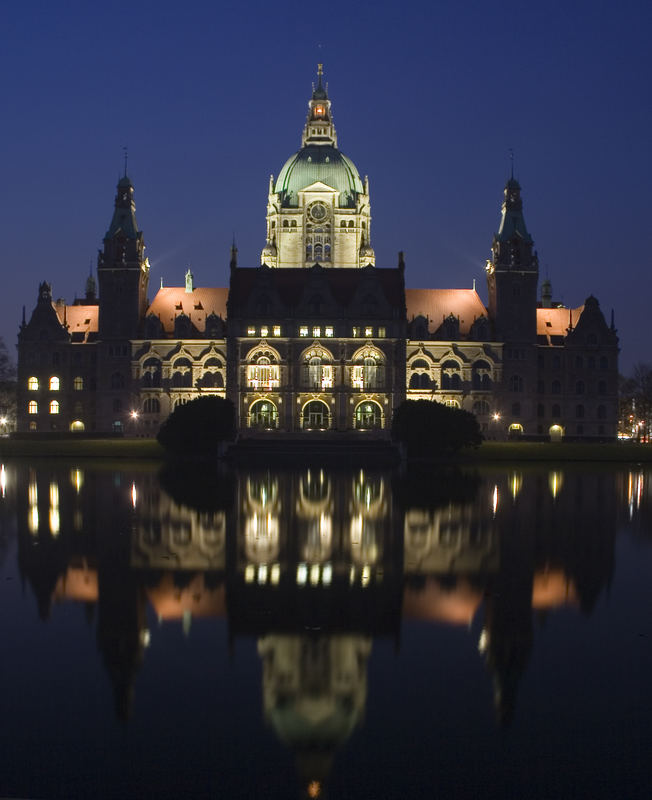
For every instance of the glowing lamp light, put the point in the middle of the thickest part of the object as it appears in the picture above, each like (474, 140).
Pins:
(134, 415)
(3, 420)
(495, 417)
(3, 480)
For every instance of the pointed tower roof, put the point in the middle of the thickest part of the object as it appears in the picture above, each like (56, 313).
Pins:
(512, 222)
(124, 215)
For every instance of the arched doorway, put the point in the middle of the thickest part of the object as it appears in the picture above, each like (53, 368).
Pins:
(315, 416)
(263, 415)
(77, 426)
(368, 415)
(515, 430)
(556, 433)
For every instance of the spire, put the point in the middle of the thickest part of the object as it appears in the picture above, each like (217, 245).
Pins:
(233, 262)
(91, 286)
(189, 282)
(319, 129)
(124, 215)
(512, 245)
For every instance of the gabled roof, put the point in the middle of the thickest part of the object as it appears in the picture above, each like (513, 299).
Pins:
(172, 301)
(556, 321)
(437, 304)
(82, 321)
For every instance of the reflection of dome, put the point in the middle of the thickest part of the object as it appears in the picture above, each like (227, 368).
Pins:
(323, 163)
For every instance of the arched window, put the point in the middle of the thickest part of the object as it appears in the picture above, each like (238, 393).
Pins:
(602, 412)
(604, 362)
(117, 380)
(32, 384)
(481, 376)
(285, 223)
(556, 387)
(262, 373)
(263, 415)
(368, 415)
(182, 373)
(151, 406)
(350, 223)
(343, 224)
(450, 375)
(420, 363)
(32, 407)
(315, 416)
(579, 387)
(54, 406)
(54, 383)
(516, 409)
(368, 373)
(602, 387)
(152, 372)
(78, 383)
(515, 383)
(579, 411)
(556, 411)
(540, 410)
(579, 362)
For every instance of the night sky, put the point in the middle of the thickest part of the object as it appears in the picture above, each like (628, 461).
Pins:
(428, 98)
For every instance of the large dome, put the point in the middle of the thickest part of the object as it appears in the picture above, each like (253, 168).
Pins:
(323, 163)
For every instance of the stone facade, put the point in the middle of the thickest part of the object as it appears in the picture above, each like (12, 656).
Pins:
(317, 338)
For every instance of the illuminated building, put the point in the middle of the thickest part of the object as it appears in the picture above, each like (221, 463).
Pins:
(318, 338)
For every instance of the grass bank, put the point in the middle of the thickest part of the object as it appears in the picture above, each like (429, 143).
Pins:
(119, 449)
(623, 452)
(149, 449)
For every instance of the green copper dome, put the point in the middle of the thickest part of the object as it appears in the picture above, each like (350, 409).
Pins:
(322, 163)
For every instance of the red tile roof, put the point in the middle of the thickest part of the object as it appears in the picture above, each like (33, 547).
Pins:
(80, 319)
(556, 321)
(436, 304)
(198, 304)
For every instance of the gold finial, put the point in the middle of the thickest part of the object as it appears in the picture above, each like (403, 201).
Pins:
(320, 70)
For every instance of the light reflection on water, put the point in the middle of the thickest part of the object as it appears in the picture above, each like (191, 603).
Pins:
(322, 568)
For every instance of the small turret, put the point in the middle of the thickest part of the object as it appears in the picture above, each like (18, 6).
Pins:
(546, 294)
(319, 125)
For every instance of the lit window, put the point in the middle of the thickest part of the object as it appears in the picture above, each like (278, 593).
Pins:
(381, 333)
(277, 330)
(54, 384)
(32, 384)
(329, 330)
(316, 331)
(368, 331)
(264, 331)
(78, 384)
(32, 408)
(54, 407)
(303, 330)
(251, 331)
(356, 331)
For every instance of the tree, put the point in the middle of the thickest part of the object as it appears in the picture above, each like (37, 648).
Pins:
(636, 401)
(7, 390)
(430, 430)
(198, 427)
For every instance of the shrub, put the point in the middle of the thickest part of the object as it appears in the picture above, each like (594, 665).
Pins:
(429, 430)
(198, 427)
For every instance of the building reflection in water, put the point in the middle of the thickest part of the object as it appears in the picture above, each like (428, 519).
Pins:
(316, 564)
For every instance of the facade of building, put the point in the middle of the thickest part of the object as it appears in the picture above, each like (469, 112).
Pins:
(317, 338)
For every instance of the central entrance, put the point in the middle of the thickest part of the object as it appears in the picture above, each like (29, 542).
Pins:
(315, 416)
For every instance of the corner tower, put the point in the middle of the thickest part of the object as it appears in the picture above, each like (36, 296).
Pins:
(513, 273)
(122, 270)
(318, 208)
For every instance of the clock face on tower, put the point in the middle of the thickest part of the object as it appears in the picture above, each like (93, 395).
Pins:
(317, 212)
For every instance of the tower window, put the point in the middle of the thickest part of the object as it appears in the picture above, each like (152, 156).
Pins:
(32, 384)
(78, 383)
(32, 407)
(54, 384)
(54, 407)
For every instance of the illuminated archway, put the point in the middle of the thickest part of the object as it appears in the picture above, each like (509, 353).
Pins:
(556, 433)
(315, 416)
(77, 426)
(515, 430)
(368, 415)
(263, 415)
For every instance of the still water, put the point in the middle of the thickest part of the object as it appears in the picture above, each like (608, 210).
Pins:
(325, 633)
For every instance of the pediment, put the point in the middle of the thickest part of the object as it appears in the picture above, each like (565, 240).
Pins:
(318, 186)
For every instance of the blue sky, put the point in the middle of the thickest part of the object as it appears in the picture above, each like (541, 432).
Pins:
(428, 98)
